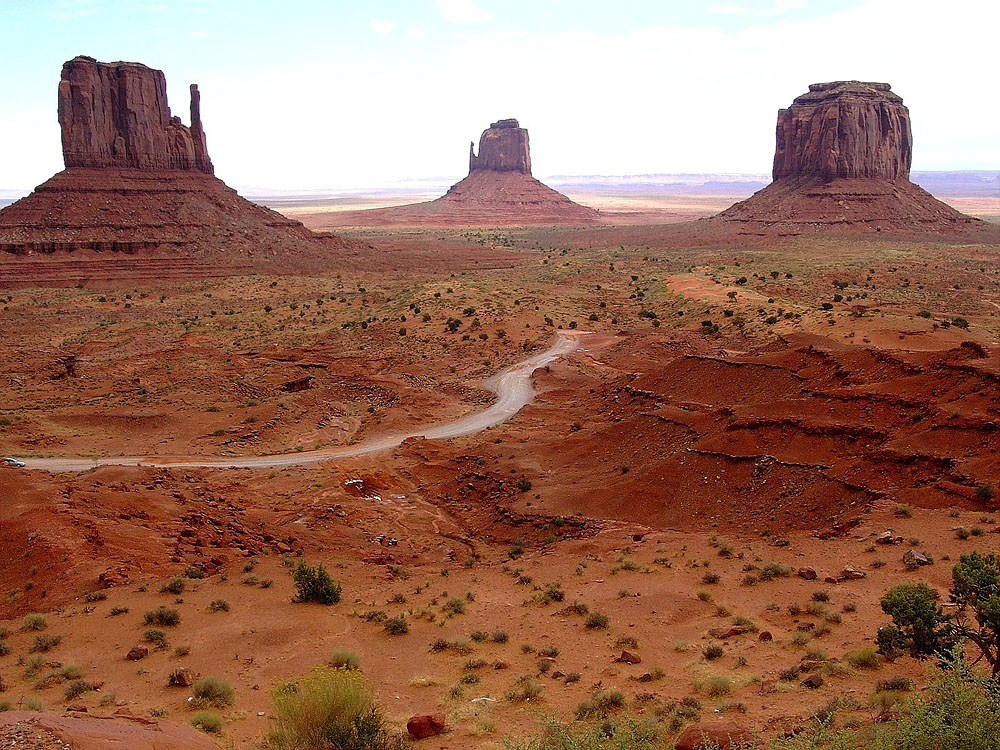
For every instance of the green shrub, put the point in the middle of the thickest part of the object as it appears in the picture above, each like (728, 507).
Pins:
(218, 605)
(165, 617)
(207, 721)
(397, 625)
(175, 586)
(343, 659)
(315, 585)
(157, 637)
(211, 691)
(35, 622)
(44, 643)
(331, 708)
(625, 733)
(77, 688)
(865, 658)
(596, 621)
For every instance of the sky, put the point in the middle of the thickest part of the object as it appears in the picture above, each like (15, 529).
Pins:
(313, 94)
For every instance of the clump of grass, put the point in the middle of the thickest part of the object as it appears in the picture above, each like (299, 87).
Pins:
(454, 606)
(35, 621)
(596, 621)
(76, 688)
(344, 659)
(396, 625)
(45, 643)
(713, 651)
(211, 691)
(525, 690)
(218, 605)
(774, 570)
(157, 637)
(207, 721)
(175, 586)
(865, 658)
(165, 617)
(603, 703)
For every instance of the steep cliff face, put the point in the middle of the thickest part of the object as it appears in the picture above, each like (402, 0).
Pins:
(116, 115)
(503, 147)
(844, 129)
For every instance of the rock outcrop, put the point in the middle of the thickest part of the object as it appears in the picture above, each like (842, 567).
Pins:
(841, 166)
(139, 183)
(845, 129)
(503, 147)
(116, 115)
(499, 191)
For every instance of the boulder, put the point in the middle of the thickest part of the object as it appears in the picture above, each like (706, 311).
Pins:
(627, 657)
(182, 678)
(712, 735)
(423, 726)
(765, 636)
(851, 574)
(887, 537)
(137, 653)
(914, 559)
(813, 682)
(807, 574)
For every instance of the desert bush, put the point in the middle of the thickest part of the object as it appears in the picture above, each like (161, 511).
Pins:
(525, 689)
(499, 636)
(343, 659)
(330, 708)
(218, 605)
(175, 586)
(44, 643)
(596, 621)
(76, 688)
(211, 691)
(165, 617)
(396, 625)
(865, 658)
(35, 621)
(315, 585)
(157, 637)
(713, 651)
(207, 721)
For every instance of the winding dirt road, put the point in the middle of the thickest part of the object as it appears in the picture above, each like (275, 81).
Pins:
(512, 387)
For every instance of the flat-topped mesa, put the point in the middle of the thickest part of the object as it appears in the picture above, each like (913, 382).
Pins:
(502, 148)
(116, 115)
(844, 129)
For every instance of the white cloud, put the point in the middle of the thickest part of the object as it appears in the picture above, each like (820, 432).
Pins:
(415, 32)
(382, 27)
(462, 11)
(779, 7)
(69, 9)
(198, 35)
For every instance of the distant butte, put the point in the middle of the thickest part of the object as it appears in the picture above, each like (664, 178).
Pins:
(842, 163)
(499, 191)
(139, 184)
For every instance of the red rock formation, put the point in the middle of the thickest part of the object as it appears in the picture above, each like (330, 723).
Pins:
(138, 182)
(844, 129)
(116, 115)
(499, 191)
(502, 148)
(841, 165)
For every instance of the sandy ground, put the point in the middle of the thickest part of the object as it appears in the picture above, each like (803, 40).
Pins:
(729, 409)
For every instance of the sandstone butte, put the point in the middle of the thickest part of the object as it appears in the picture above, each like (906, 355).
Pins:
(499, 191)
(842, 163)
(140, 184)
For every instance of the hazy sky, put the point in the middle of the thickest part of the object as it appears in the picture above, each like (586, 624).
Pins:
(329, 93)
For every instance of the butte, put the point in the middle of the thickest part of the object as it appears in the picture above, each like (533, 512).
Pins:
(499, 191)
(138, 197)
(841, 167)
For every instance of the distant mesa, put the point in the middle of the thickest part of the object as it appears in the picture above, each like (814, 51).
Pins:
(139, 183)
(499, 191)
(842, 164)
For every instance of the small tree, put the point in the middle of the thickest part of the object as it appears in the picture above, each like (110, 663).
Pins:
(315, 585)
(921, 627)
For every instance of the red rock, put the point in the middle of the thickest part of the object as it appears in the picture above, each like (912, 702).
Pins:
(116, 115)
(182, 678)
(731, 631)
(851, 574)
(425, 725)
(808, 574)
(848, 129)
(914, 559)
(627, 657)
(813, 682)
(712, 735)
(887, 537)
(502, 148)
(82, 732)
(765, 636)
(137, 653)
